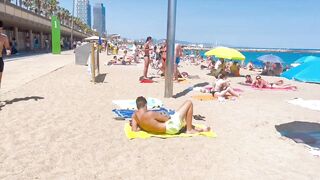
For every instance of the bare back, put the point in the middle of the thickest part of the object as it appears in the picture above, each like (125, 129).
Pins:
(151, 121)
(4, 42)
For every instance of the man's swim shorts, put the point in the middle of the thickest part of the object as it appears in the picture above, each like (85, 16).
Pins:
(175, 124)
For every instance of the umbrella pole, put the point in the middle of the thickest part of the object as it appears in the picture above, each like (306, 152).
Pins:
(171, 28)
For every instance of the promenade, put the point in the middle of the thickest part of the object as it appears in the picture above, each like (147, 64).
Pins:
(21, 70)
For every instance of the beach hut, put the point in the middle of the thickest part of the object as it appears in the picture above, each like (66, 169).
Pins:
(306, 72)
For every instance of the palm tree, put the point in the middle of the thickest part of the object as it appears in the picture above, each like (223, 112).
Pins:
(53, 6)
(37, 6)
(28, 4)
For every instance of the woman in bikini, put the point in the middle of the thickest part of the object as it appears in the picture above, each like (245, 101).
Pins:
(147, 56)
(163, 51)
(222, 88)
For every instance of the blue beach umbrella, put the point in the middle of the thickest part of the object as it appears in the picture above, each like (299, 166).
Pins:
(306, 72)
(270, 58)
(305, 59)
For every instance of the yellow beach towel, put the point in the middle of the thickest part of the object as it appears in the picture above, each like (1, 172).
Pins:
(182, 80)
(204, 97)
(144, 135)
(207, 97)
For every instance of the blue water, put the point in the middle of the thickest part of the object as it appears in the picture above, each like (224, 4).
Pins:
(287, 57)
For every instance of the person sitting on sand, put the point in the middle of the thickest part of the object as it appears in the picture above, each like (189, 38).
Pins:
(248, 79)
(222, 87)
(261, 83)
(250, 66)
(112, 61)
(155, 122)
(235, 69)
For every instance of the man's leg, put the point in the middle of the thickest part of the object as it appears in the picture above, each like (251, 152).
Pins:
(186, 112)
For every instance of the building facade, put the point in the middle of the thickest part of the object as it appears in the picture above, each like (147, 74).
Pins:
(84, 11)
(31, 31)
(89, 15)
(99, 18)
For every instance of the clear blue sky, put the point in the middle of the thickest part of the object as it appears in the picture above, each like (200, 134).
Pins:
(249, 23)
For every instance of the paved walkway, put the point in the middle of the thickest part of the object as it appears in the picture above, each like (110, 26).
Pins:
(15, 75)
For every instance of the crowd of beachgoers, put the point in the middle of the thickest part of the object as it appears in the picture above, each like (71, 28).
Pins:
(57, 124)
(155, 56)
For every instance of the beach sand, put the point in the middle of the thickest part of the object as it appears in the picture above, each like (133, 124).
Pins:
(59, 125)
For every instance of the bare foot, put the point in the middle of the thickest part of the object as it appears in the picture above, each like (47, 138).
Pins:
(197, 130)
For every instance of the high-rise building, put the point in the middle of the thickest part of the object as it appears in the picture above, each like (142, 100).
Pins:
(84, 11)
(89, 14)
(99, 18)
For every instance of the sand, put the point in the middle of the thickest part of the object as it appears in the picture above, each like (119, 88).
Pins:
(58, 125)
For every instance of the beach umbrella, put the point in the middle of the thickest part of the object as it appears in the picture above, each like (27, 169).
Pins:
(226, 53)
(93, 38)
(270, 58)
(307, 59)
(306, 72)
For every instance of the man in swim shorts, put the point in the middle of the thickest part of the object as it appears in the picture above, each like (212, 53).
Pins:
(4, 43)
(178, 55)
(156, 122)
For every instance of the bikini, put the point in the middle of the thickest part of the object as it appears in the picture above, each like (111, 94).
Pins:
(146, 51)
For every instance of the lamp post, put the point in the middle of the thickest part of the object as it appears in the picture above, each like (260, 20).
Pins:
(171, 28)
(72, 23)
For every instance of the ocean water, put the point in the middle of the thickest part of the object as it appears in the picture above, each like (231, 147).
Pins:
(287, 57)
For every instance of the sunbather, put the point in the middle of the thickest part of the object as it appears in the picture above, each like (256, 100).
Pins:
(248, 80)
(250, 66)
(155, 122)
(222, 87)
(261, 83)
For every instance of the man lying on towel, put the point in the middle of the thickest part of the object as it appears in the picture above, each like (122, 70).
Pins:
(155, 122)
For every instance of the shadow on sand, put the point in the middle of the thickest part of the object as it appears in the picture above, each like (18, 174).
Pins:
(8, 102)
(301, 132)
(186, 91)
(100, 78)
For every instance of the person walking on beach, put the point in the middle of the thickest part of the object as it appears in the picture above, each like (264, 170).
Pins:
(163, 52)
(4, 43)
(156, 122)
(178, 55)
(147, 48)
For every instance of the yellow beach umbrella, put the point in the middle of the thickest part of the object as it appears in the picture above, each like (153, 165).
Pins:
(226, 53)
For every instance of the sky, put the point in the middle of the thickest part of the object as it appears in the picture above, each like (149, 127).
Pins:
(236, 23)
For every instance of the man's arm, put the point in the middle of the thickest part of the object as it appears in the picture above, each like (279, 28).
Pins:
(134, 125)
(161, 117)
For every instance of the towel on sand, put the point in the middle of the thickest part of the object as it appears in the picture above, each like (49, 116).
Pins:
(127, 113)
(144, 135)
(310, 104)
(284, 88)
(146, 81)
(209, 97)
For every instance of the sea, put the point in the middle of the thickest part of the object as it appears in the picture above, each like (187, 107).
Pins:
(287, 57)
